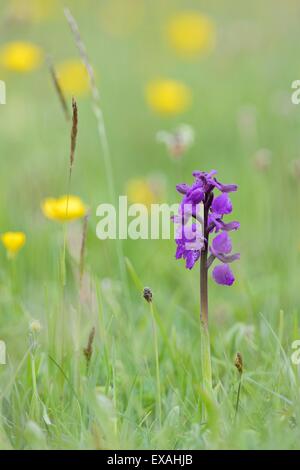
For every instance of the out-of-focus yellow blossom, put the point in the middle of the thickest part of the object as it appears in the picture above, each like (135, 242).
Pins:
(64, 209)
(142, 191)
(32, 10)
(13, 242)
(168, 96)
(73, 77)
(20, 56)
(191, 33)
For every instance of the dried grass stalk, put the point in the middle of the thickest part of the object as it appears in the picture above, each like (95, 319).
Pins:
(74, 131)
(59, 90)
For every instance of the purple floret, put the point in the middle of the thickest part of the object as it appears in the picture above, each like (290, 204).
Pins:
(221, 204)
(222, 274)
(190, 241)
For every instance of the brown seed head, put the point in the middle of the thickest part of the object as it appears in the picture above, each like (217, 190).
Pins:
(239, 362)
(88, 351)
(147, 294)
(74, 131)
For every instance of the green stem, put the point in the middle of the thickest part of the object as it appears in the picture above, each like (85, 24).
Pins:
(35, 395)
(205, 341)
(63, 261)
(156, 363)
(238, 398)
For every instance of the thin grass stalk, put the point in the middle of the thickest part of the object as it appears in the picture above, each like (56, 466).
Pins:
(35, 396)
(13, 277)
(82, 249)
(74, 132)
(97, 109)
(114, 381)
(238, 399)
(58, 89)
(239, 365)
(35, 400)
(73, 141)
(155, 343)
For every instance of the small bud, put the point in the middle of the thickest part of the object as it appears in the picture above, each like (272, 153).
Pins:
(35, 326)
(239, 362)
(147, 294)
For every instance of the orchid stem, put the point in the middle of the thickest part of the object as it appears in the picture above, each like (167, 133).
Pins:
(205, 341)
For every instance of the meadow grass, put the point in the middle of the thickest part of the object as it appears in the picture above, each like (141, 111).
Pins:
(139, 390)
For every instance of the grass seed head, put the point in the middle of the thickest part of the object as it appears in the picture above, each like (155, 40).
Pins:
(238, 362)
(88, 351)
(73, 131)
(147, 294)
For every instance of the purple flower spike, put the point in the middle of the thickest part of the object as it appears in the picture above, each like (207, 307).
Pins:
(222, 274)
(200, 204)
(215, 208)
(222, 205)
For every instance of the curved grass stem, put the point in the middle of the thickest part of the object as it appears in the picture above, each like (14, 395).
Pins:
(155, 342)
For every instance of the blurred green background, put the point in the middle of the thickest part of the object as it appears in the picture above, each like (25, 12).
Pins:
(241, 103)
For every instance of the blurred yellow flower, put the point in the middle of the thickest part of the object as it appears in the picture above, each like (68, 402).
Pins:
(64, 209)
(73, 77)
(191, 33)
(141, 191)
(20, 56)
(168, 96)
(13, 242)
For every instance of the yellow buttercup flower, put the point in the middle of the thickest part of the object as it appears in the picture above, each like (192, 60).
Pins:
(64, 209)
(140, 191)
(20, 56)
(191, 33)
(73, 77)
(13, 242)
(168, 96)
